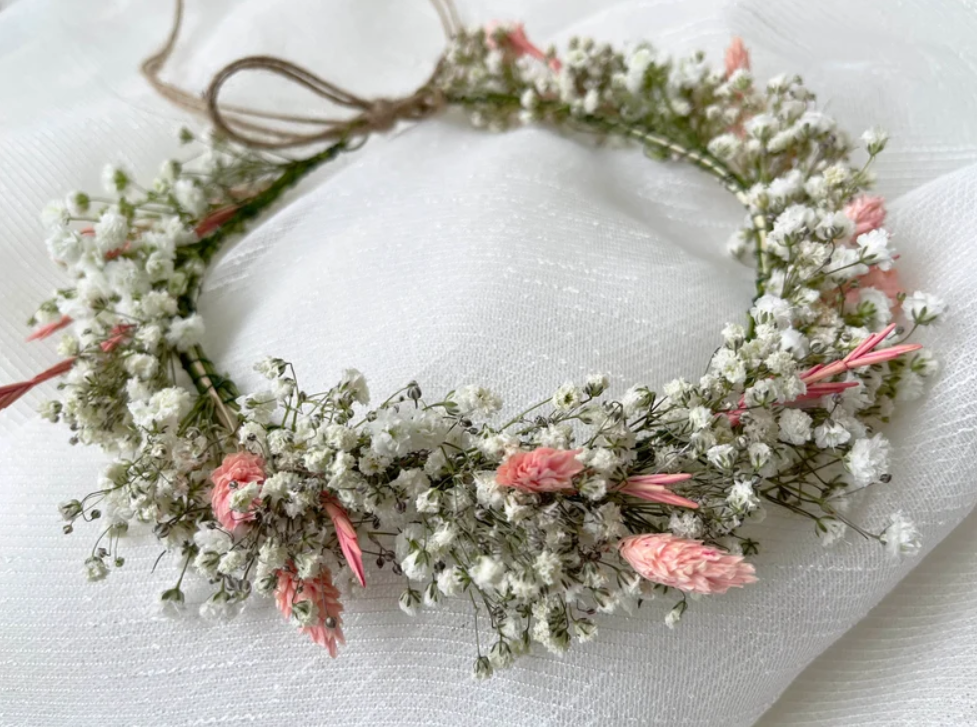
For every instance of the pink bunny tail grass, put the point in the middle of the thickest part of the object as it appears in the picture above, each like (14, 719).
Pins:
(688, 565)
(327, 631)
(45, 331)
(12, 392)
(654, 488)
(737, 57)
(346, 533)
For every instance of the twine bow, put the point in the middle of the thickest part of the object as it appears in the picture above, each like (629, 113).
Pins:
(250, 126)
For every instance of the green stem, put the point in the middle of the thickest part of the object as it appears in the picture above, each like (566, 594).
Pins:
(207, 380)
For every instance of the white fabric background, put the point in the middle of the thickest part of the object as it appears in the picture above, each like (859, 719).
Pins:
(517, 261)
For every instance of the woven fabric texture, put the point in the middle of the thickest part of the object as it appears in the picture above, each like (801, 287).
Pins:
(517, 261)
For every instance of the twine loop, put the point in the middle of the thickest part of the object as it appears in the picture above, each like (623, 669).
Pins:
(268, 130)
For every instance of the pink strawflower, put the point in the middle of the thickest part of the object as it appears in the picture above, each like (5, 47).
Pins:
(237, 470)
(688, 565)
(655, 489)
(512, 37)
(45, 331)
(347, 536)
(542, 470)
(328, 629)
(737, 57)
(12, 392)
(868, 213)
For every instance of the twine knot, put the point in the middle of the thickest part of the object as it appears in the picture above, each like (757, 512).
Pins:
(268, 130)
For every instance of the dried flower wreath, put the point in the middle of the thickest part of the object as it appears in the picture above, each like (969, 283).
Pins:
(579, 504)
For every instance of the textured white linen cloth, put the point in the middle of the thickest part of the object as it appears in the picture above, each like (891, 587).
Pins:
(516, 261)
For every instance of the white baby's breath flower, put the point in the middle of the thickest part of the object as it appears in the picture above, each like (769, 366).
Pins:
(685, 525)
(185, 332)
(875, 250)
(722, 456)
(232, 561)
(548, 567)
(729, 365)
(111, 232)
(700, 417)
(214, 540)
(875, 140)
(115, 179)
(923, 308)
(451, 581)
(190, 197)
(675, 615)
(141, 365)
(477, 399)
(637, 66)
(868, 460)
(417, 565)
(742, 497)
(795, 426)
(65, 246)
(772, 309)
(901, 536)
(241, 499)
(635, 399)
(566, 397)
(831, 434)
(165, 408)
(354, 383)
(486, 572)
(831, 531)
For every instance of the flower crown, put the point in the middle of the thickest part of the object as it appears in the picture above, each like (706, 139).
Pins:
(581, 503)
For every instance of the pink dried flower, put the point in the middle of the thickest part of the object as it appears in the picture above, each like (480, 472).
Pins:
(868, 213)
(327, 630)
(45, 331)
(12, 392)
(347, 536)
(214, 220)
(117, 336)
(542, 470)
(237, 470)
(862, 355)
(737, 57)
(688, 565)
(885, 280)
(512, 36)
(655, 489)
